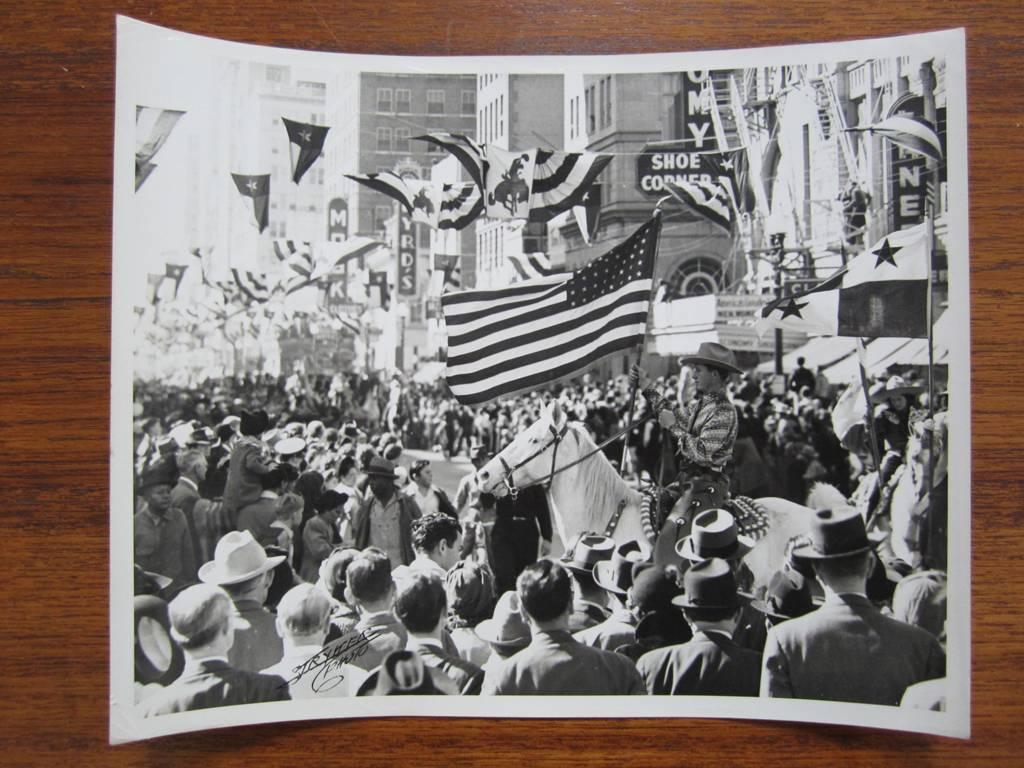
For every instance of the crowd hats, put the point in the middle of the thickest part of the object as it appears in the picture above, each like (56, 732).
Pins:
(289, 446)
(714, 534)
(237, 558)
(158, 658)
(893, 387)
(709, 584)
(616, 575)
(402, 673)
(161, 473)
(788, 596)
(478, 450)
(711, 353)
(589, 550)
(836, 533)
(506, 628)
(379, 467)
(654, 588)
(254, 423)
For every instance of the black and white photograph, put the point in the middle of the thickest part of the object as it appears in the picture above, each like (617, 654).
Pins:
(639, 381)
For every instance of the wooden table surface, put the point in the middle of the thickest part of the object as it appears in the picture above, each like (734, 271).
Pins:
(56, 138)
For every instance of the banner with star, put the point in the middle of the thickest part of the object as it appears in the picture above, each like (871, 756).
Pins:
(883, 293)
(258, 188)
(306, 144)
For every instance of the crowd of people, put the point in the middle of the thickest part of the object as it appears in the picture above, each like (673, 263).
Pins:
(287, 546)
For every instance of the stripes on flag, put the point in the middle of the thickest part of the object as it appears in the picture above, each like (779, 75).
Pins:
(153, 127)
(912, 134)
(297, 255)
(533, 333)
(387, 183)
(707, 198)
(461, 204)
(561, 181)
(530, 266)
(441, 206)
(882, 293)
(253, 286)
(466, 151)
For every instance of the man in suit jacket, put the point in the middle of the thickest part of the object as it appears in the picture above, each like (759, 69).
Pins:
(370, 589)
(184, 495)
(847, 650)
(553, 662)
(711, 663)
(202, 623)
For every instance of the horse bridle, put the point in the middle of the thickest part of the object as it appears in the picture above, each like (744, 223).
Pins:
(557, 436)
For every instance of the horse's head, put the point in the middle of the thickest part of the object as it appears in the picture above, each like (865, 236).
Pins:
(528, 459)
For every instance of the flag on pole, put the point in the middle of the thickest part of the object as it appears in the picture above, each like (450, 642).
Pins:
(175, 272)
(588, 212)
(561, 181)
(253, 287)
(379, 280)
(707, 198)
(256, 187)
(849, 414)
(152, 128)
(881, 293)
(466, 151)
(913, 134)
(305, 145)
(530, 266)
(450, 266)
(730, 169)
(537, 332)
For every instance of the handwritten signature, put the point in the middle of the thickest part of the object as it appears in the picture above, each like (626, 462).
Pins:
(326, 665)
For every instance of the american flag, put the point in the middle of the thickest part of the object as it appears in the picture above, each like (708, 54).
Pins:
(540, 331)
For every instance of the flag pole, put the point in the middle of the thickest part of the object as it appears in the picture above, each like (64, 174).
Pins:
(930, 244)
(876, 454)
(640, 350)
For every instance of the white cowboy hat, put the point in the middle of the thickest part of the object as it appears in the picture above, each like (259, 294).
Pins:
(238, 558)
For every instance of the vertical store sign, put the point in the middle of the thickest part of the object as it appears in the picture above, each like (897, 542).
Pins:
(909, 178)
(405, 243)
(337, 220)
(697, 129)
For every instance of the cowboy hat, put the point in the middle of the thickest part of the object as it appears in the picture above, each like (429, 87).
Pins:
(506, 628)
(616, 575)
(714, 534)
(893, 387)
(717, 355)
(836, 533)
(709, 584)
(589, 550)
(237, 558)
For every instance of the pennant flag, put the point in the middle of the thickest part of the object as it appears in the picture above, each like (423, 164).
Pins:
(441, 206)
(707, 198)
(561, 181)
(450, 267)
(850, 412)
(306, 144)
(152, 128)
(176, 272)
(258, 188)
(588, 212)
(537, 332)
(912, 134)
(332, 258)
(731, 170)
(882, 293)
(297, 255)
(466, 151)
(379, 280)
(461, 204)
(388, 183)
(155, 281)
(252, 286)
(508, 181)
(530, 266)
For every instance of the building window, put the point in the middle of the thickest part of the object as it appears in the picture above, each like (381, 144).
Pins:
(480, 125)
(403, 100)
(381, 213)
(384, 102)
(501, 115)
(572, 117)
(383, 139)
(591, 122)
(535, 237)
(401, 139)
(276, 74)
(696, 277)
(468, 102)
(602, 95)
(435, 102)
(606, 102)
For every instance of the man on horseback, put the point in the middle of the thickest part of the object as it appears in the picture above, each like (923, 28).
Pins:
(704, 431)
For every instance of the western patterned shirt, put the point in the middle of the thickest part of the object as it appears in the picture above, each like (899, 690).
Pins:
(705, 428)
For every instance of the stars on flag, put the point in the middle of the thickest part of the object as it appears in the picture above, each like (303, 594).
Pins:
(792, 309)
(252, 185)
(305, 136)
(610, 272)
(885, 253)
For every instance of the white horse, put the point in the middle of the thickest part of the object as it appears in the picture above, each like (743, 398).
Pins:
(585, 492)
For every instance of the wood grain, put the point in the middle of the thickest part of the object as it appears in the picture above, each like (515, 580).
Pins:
(56, 129)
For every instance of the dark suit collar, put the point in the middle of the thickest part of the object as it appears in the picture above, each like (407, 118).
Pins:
(205, 666)
(383, 619)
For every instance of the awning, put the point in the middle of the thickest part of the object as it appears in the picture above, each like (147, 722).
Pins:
(822, 351)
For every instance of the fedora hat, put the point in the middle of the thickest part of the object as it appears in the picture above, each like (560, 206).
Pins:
(161, 473)
(381, 468)
(711, 353)
(788, 596)
(894, 386)
(402, 673)
(714, 534)
(836, 533)
(254, 423)
(589, 550)
(654, 587)
(237, 558)
(616, 575)
(709, 584)
(506, 628)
